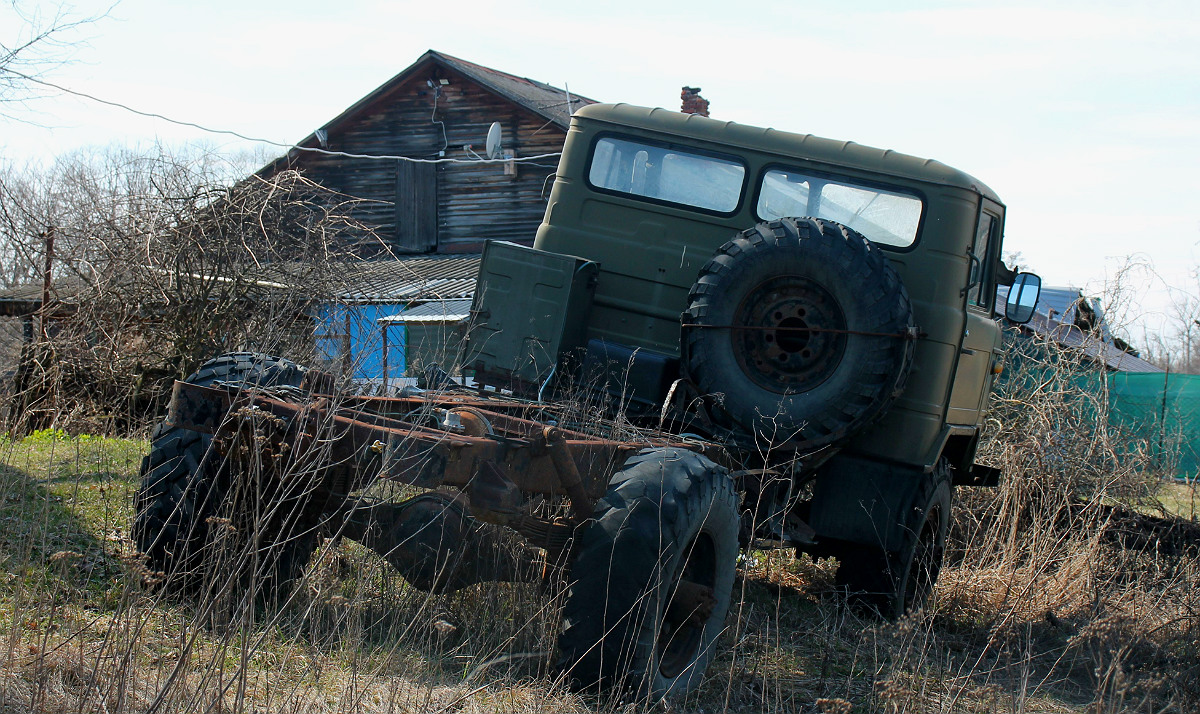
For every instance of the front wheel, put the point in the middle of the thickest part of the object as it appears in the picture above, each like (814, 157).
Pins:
(653, 576)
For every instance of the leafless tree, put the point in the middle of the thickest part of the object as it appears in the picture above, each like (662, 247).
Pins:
(1183, 338)
(1175, 346)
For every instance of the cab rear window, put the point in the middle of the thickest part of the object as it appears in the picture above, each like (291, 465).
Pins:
(666, 174)
(883, 216)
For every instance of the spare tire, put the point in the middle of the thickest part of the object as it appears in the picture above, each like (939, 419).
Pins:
(800, 330)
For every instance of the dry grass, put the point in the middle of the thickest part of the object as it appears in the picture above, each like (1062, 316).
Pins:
(1055, 599)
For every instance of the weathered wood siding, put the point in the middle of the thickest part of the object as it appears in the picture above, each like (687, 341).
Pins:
(448, 207)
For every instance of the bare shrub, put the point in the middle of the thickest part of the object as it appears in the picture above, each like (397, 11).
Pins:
(1066, 588)
(1060, 584)
(159, 264)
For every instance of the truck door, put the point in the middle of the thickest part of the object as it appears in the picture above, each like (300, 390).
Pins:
(980, 345)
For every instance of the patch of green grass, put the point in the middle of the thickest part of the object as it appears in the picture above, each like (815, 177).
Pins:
(1181, 499)
(65, 508)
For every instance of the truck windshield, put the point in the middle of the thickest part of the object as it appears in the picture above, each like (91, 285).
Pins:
(667, 174)
(887, 217)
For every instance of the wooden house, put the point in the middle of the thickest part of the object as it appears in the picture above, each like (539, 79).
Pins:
(438, 112)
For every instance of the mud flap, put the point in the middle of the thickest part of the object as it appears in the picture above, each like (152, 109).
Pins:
(861, 501)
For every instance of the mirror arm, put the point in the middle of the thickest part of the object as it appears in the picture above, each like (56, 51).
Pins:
(1004, 274)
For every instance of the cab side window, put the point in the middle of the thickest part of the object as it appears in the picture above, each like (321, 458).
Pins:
(981, 292)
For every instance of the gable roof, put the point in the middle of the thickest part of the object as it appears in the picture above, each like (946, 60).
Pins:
(554, 104)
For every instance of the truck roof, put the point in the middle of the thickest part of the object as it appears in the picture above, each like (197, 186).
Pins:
(845, 153)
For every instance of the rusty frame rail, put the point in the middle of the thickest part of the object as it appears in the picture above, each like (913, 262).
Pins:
(519, 455)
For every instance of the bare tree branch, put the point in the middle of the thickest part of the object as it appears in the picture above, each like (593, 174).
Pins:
(35, 40)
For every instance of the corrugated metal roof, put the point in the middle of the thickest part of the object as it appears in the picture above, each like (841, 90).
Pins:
(26, 299)
(431, 277)
(61, 288)
(1068, 335)
(454, 310)
(1062, 305)
(1055, 317)
(21, 293)
(401, 280)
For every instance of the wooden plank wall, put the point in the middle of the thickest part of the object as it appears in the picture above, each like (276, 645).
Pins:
(474, 202)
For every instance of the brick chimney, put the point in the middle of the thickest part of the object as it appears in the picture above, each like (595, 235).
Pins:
(693, 103)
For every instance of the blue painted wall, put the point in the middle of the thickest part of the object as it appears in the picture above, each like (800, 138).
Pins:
(361, 322)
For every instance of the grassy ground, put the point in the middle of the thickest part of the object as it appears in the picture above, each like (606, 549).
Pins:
(1180, 499)
(1040, 609)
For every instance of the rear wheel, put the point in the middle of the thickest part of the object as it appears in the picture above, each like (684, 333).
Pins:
(893, 583)
(204, 523)
(652, 577)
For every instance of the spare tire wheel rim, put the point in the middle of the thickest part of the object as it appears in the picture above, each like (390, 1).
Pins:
(789, 334)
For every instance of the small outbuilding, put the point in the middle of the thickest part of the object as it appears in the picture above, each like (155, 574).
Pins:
(395, 317)
(1076, 322)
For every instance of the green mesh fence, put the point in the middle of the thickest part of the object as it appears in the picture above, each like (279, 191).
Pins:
(1166, 409)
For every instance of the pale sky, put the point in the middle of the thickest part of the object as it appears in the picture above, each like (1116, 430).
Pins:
(1083, 116)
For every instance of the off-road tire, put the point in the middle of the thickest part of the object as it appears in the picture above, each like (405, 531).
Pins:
(185, 494)
(804, 330)
(893, 583)
(668, 514)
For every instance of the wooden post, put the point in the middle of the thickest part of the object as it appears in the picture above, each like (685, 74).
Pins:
(348, 347)
(1162, 419)
(48, 238)
(383, 326)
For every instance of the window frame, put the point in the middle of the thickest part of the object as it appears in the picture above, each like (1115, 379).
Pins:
(986, 296)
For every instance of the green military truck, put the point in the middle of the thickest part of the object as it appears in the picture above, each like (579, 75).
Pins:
(822, 309)
(724, 337)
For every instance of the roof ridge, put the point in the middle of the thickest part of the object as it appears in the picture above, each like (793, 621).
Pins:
(530, 94)
(535, 82)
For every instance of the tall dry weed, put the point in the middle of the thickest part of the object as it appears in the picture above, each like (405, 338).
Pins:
(1058, 597)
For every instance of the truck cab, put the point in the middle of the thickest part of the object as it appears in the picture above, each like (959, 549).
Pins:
(647, 197)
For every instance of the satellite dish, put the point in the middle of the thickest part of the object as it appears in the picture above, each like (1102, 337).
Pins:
(493, 140)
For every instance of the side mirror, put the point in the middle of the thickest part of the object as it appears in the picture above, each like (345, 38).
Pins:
(1022, 298)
